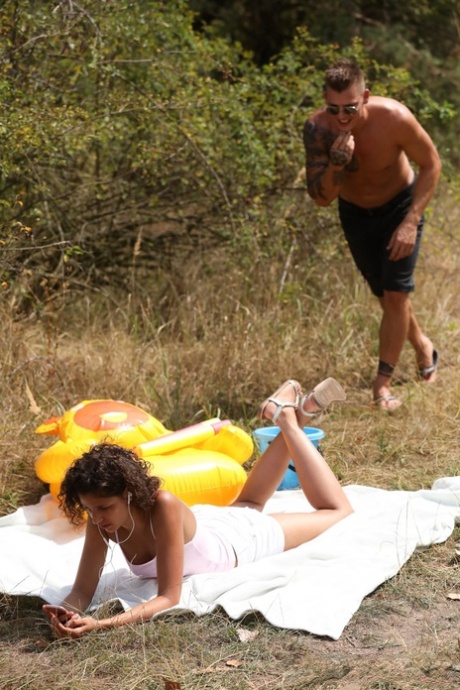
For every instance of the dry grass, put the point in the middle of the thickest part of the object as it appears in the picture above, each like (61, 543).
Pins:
(221, 347)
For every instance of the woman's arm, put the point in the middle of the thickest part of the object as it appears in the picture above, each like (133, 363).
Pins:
(91, 563)
(168, 523)
(79, 598)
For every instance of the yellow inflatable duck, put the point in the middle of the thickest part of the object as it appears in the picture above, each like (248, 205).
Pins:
(199, 464)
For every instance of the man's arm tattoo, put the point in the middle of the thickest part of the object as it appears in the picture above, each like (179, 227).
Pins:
(318, 142)
(338, 157)
(316, 149)
(337, 177)
(352, 166)
(315, 173)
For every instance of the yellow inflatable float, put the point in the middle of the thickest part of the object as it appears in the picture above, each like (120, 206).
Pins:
(199, 464)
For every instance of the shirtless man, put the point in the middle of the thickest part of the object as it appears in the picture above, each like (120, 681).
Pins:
(358, 150)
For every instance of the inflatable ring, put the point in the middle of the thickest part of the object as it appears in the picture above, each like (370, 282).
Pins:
(199, 464)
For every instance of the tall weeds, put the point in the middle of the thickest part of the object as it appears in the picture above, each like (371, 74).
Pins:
(214, 339)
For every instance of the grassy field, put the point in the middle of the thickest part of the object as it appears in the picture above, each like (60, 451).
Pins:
(226, 345)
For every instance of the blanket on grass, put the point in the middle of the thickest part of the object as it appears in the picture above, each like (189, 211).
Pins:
(316, 587)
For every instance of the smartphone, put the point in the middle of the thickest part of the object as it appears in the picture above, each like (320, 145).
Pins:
(52, 610)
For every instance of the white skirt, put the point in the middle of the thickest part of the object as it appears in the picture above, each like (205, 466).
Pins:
(250, 534)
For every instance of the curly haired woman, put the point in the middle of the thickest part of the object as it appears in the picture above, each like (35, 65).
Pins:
(163, 538)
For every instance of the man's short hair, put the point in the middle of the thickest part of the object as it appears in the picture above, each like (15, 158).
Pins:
(343, 74)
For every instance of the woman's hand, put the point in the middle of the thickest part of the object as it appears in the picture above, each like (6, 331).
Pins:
(65, 623)
(74, 627)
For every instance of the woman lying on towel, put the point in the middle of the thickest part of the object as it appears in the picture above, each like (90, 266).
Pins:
(163, 538)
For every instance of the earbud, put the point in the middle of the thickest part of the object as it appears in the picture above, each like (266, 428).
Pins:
(129, 497)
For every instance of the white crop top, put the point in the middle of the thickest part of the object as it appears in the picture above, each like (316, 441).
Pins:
(206, 552)
(224, 537)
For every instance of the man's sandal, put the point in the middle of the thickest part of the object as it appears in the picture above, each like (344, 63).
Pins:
(377, 402)
(280, 404)
(426, 372)
(325, 393)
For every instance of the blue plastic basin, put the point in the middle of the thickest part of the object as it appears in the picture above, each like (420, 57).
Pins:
(266, 435)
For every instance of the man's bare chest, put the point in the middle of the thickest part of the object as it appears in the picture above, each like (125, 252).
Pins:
(374, 155)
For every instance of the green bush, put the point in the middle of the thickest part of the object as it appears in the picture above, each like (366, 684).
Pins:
(133, 144)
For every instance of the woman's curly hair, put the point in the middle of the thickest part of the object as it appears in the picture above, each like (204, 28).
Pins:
(106, 470)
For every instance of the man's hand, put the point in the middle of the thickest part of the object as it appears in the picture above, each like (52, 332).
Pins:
(341, 151)
(402, 241)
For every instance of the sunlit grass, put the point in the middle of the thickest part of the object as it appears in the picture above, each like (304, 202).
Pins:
(225, 340)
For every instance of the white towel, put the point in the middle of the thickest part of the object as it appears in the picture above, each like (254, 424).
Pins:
(316, 587)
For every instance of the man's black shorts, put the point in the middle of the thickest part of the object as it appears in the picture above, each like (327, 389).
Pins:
(368, 232)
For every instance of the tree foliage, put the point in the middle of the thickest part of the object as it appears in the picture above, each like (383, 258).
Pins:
(267, 26)
(418, 35)
(131, 140)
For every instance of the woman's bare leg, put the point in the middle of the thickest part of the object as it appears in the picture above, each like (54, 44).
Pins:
(271, 467)
(317, 480)
(266, 475)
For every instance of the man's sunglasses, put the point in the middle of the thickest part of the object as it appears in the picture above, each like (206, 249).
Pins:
(347, 109)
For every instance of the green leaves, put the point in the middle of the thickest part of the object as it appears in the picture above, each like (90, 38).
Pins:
(120, 121)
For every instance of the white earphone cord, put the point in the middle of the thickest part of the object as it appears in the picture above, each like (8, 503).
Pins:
(109, 545)
(116, 533)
